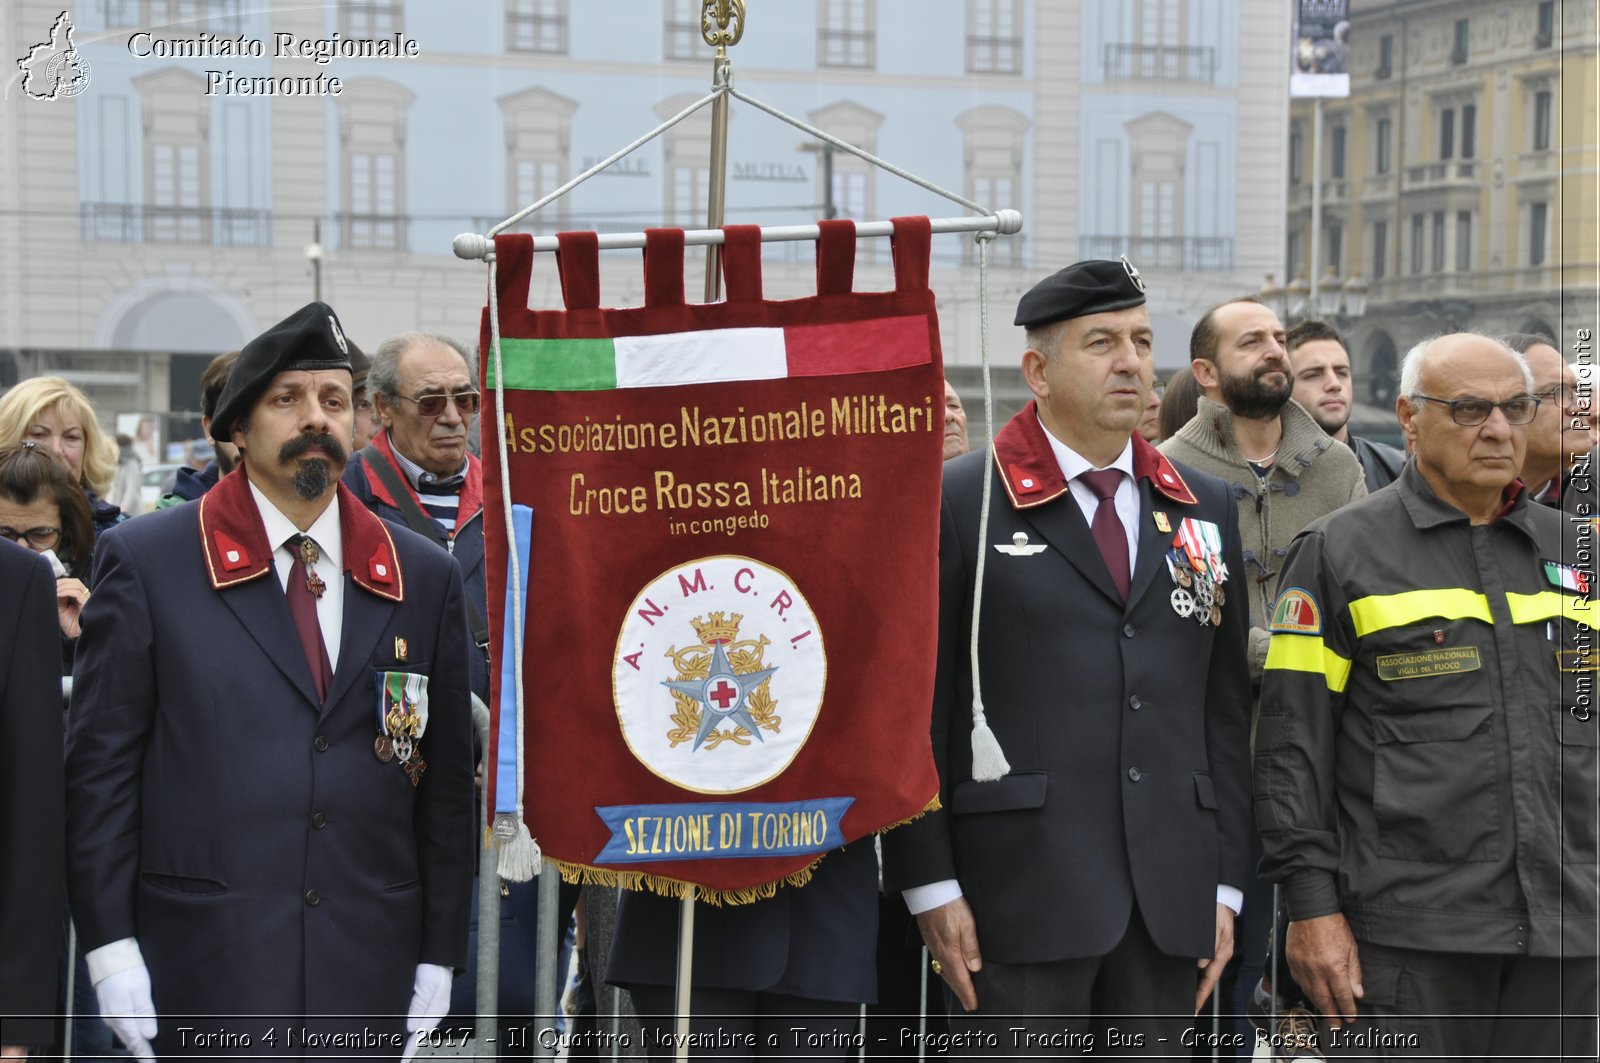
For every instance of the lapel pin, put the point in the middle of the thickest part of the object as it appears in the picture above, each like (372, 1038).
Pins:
(1020, 547)
(1163, 525)
(399, 648)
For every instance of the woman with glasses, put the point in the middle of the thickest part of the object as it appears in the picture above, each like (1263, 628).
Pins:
(57, 416)
(43, 509)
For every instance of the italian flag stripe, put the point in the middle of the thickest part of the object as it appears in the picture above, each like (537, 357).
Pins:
(714, 355)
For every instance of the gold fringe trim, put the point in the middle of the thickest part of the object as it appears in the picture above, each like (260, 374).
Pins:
(933, 805)
(677, 889)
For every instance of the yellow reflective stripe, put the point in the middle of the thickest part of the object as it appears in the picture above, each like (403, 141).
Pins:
(1308, 653)
(1547, 605)
(1379, 612)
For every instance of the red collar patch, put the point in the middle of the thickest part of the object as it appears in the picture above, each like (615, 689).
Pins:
(471, 491)
(234, 540)
(1032, 476)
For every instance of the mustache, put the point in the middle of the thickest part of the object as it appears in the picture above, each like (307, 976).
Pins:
(313, 440)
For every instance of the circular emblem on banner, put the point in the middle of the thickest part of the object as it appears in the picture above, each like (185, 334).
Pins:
(719, 674)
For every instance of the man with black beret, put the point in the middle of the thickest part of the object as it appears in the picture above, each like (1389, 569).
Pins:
(1082, 877)
(269, 757)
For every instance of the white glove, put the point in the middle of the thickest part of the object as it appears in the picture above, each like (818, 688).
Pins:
(127, 1007)
(430, 1002)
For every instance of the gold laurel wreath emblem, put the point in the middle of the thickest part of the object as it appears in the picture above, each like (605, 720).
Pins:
(694, 662)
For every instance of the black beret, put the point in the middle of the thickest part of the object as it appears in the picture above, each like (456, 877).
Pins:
(309, 338)
(1093, 287)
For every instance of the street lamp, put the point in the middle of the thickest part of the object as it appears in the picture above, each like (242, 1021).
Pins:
(1328, 294)
(1299, 293)
(1355, 297)
(1273, 297)
(314, 256)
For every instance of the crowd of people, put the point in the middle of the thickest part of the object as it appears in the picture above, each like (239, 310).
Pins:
(1240, 668)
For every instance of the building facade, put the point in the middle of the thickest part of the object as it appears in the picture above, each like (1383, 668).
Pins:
(1458, 178)
(207, 179)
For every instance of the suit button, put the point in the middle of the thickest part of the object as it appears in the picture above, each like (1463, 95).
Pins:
(318, 820)
(320, 744)
(313, 898)
(1135, 774)
(1135, 704)
(1127, 631)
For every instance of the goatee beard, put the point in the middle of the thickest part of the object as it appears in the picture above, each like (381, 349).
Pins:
(1248, 397)
(313, 478)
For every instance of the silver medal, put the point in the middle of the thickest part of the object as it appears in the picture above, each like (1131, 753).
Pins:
(1183, 603)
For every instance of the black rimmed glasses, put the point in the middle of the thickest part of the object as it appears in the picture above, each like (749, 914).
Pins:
(1564, 395)
(433, 405)
(1469, 413)
(43, 537)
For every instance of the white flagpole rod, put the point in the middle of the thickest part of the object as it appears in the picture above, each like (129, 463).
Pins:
(1003, 222)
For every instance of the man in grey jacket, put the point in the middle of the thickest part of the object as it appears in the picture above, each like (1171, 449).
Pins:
(1285, 472)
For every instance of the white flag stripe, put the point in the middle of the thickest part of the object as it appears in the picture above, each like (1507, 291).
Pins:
(701, 357)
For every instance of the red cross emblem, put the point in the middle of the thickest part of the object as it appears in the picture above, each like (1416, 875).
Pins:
(723, 693)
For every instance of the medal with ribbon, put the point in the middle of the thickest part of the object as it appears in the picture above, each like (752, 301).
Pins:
(402, 719)
(1195, 563)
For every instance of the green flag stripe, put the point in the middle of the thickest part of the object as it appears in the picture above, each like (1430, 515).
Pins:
(557, 365)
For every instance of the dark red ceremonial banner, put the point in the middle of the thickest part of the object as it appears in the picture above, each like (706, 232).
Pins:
(727, 516)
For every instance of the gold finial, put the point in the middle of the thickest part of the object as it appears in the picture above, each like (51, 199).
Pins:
(715, 15)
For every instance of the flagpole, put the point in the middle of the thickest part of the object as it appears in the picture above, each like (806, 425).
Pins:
(729, 18)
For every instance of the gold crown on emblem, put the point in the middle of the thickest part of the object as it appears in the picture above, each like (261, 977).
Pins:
(717, 628)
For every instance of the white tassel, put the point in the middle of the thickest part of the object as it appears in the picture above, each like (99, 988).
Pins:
(988, 759)
(520, 858)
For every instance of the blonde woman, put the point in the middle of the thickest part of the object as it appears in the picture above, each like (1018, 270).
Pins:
(54, 414)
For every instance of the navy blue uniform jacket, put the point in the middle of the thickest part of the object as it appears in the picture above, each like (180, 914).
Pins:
(265, 859)
(1126, 725)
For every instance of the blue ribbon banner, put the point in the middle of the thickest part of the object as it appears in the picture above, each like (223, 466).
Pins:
(715, 830)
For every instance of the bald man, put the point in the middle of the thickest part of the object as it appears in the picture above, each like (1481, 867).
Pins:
(1425, 764)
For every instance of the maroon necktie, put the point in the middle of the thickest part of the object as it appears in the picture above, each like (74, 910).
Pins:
(303, 607)
(1109, 534)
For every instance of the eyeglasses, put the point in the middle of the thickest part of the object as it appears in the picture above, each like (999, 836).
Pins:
(1519, 409)
(433, 405)
(1565, 395)
(40, 538)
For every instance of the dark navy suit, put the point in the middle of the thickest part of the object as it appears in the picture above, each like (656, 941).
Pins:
(31, 890)
(267, 862)
(1126, 725)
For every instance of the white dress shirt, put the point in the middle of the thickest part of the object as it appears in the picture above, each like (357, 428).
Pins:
(328, 533)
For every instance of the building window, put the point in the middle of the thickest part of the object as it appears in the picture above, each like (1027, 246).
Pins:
(846, 36)
(1385, 134)
(1545, 33)
(119, 13)
(1385, 57)
(1463, 241)
(853, 192)
(175, 193)
(992, 143)
(1438, 241)
(1336, 167)
(994, 37)
(371, 18)
(1447, 132)
(1416, 243)
(1291, 267)
(1538, 222)
(214, 16)
(177, 170)
(1469, 131)
(536, 26)
(1458, 53)
(1294, 156)
(1380, 249)
(372, 126)
(683, 39)
(1336, 247)
(538, 137)
(1541, 120)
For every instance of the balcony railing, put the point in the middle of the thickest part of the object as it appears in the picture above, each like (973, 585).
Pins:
(846, 48)
(137, 223)
(372, 232)
(536, 33)
(1436, 174)
(1162, 252)
(1160, 62)
(994, 55)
